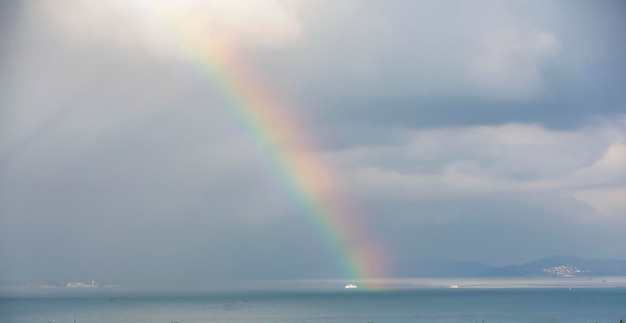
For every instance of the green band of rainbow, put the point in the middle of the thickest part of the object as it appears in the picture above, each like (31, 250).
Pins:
(291, 155)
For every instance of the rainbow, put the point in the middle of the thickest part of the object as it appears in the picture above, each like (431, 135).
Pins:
(304, 174)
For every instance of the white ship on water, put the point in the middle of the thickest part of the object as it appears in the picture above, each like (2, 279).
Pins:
(351, 286)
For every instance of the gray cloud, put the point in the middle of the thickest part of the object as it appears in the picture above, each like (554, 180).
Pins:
(493, 132)
(482, 63)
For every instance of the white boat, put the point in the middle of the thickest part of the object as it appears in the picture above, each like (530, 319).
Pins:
(349, 286)
(454, 286)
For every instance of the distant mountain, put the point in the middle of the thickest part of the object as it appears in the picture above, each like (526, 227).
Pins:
(560, 266)
(555, 266)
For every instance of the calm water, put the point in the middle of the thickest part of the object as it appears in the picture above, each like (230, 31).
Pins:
(420, 305)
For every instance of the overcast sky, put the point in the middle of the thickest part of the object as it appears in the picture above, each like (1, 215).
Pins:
(491, 131)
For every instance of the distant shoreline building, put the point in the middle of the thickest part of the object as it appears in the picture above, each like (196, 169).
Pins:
(81, 284)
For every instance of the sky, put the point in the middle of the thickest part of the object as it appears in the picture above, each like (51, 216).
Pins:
(488, 131)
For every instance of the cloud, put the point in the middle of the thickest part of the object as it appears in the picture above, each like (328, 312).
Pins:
(163, 27)
(511, 64)
(420, 48)
(120, 60)
(609, 202)
(425, 49)
(421, 64)
(516, 159)
(463, 130)
(610, 168)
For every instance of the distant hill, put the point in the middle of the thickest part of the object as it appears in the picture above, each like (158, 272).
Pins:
(560, 266)
(555, 266)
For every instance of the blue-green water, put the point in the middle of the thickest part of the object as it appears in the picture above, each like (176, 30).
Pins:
(420, 305)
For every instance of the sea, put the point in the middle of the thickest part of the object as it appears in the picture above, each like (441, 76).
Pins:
(438, 301)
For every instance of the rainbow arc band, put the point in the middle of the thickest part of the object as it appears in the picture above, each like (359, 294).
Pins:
(290, 153)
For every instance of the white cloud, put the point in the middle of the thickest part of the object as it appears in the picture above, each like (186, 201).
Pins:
(92, 66)
(163, 27)
(611, 168)
(609, 202)
(586, 165)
